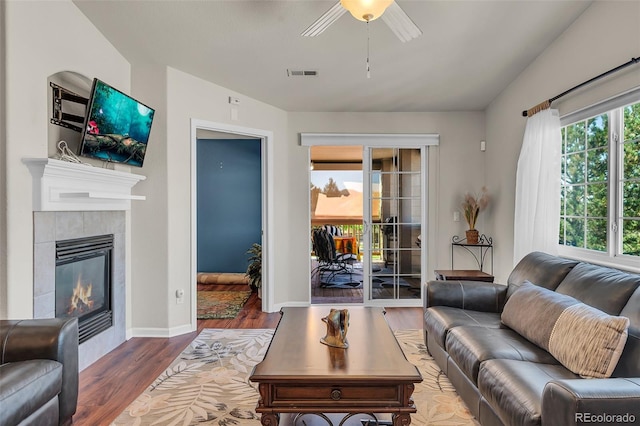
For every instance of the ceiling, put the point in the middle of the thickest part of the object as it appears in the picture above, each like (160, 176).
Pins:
(469, 52)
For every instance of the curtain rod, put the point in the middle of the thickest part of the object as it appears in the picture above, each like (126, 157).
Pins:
(546, 104)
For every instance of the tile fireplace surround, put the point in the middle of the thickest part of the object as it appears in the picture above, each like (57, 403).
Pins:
(76, 201)
(50, 227)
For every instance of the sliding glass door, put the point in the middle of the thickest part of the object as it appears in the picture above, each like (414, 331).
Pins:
(387, 261)
(394, 212)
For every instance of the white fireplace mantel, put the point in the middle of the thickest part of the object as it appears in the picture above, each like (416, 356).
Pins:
(65, 186)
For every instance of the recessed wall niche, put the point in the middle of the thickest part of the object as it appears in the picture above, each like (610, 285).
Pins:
(78, 84)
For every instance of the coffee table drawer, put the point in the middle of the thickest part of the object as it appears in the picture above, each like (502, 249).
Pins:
(332, 396)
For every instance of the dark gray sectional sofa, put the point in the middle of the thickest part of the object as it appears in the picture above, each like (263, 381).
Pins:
(38, 371)
(505, 378)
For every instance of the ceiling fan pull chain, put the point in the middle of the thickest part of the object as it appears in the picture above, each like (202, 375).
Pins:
(368, 65)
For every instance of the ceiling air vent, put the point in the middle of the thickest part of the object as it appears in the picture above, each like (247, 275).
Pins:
(302, 73)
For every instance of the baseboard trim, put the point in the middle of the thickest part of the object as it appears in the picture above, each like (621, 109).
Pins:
(279, 306)
(162, 332)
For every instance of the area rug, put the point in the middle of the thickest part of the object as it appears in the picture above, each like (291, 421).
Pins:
(208, 384)
(221, 304)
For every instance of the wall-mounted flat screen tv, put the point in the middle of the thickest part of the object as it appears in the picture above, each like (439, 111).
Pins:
(116, 127)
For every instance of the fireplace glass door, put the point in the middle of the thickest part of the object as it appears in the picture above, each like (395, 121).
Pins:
(83, 283)
(80, 286)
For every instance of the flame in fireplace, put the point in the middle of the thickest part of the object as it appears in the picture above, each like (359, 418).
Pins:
(81, 299)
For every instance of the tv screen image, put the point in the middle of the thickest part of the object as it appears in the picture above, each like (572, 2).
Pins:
(116, 127)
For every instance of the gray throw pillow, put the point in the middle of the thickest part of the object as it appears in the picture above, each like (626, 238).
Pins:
(585, 340)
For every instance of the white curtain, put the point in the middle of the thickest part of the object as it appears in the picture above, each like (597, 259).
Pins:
(537, 210)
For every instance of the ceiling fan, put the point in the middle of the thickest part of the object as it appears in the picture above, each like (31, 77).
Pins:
(367, 11)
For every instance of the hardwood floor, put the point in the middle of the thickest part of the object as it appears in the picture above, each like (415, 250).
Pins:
(109, 385)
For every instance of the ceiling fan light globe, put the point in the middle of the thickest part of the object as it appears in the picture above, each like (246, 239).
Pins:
(366, 10)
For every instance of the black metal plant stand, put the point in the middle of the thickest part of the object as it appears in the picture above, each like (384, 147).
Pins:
(479, 251)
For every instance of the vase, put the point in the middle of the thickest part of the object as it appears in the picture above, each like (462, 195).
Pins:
(472, 236)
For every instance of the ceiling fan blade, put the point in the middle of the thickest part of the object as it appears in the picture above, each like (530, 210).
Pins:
(329, 17)
(400, 23)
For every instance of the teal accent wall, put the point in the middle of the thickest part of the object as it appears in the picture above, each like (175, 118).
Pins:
(229, 205)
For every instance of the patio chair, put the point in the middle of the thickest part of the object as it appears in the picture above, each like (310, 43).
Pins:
(334, 230)
(330, 262)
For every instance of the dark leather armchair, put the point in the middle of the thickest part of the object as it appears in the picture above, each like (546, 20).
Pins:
(38, 371)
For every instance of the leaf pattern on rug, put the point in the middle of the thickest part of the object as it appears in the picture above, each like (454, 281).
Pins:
(192, 403)
(175, 375)
(208, 383)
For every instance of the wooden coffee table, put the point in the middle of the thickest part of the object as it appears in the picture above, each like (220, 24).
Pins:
(301, 375)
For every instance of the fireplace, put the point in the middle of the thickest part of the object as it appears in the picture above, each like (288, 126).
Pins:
(83, 283)
(53, 228)
(73, 201)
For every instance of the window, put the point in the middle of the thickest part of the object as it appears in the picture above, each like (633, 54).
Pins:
(630, 181)
(600, 194)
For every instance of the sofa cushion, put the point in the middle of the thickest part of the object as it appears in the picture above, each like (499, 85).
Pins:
(603, 288)
(469, 346)
(584, 339)
(532, 311)
(27, 386)
(471, 295)
(514, 388)
(439, 320)
(587, 341)
(540, 268)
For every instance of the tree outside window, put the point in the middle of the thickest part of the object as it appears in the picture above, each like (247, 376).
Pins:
(630, 181)
(596, 213)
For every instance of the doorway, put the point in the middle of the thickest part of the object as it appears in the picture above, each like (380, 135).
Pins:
(391, 256)
(229, 215)
(337, 203)
(201, 129)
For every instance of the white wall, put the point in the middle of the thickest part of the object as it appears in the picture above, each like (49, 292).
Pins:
(3, 169)
(162, 227)
(42, 39)
(150, 253)
(459, 163)
(606, 35)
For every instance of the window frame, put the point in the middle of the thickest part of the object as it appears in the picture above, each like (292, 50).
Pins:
(613, 255)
